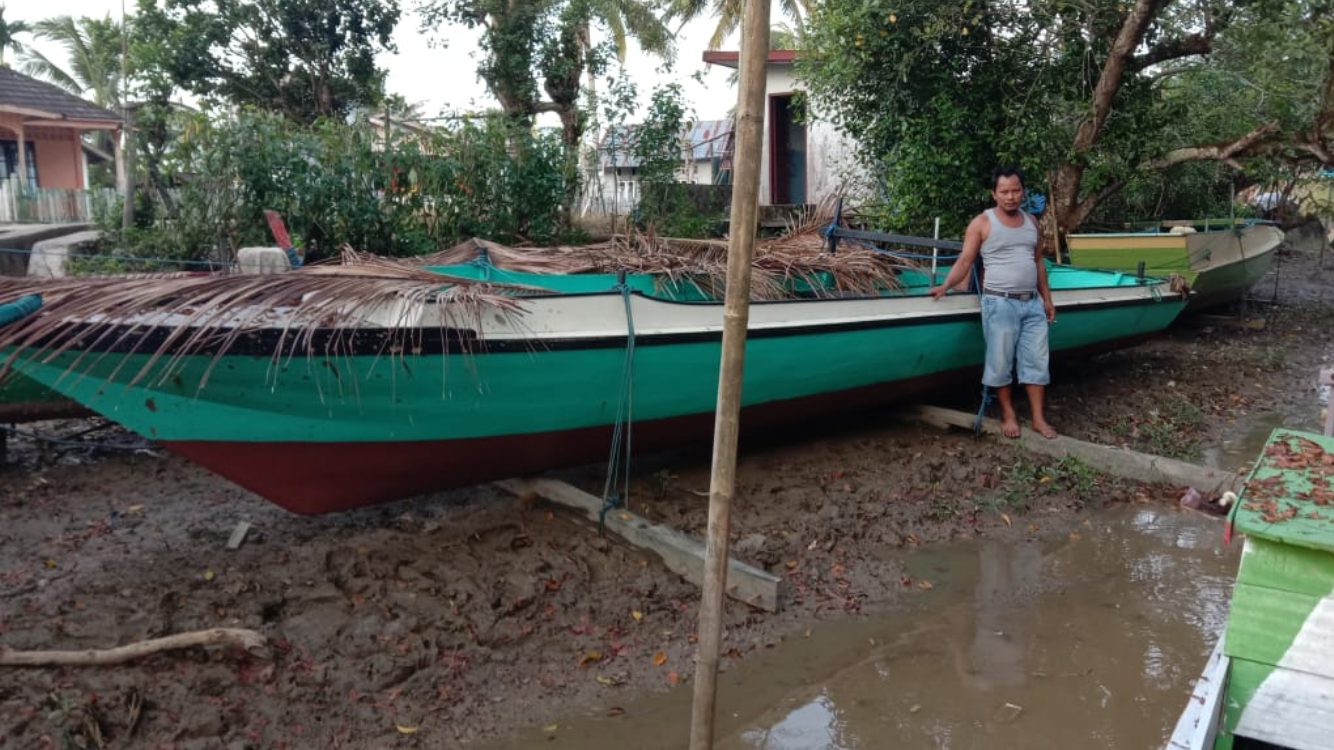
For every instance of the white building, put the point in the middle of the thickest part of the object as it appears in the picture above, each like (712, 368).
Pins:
(805, 159)
(705, 152)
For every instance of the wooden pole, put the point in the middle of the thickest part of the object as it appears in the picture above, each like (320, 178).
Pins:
(127, 132)
(23, 160)
(736, 313)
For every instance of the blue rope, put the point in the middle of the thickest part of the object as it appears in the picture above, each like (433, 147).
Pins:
(618, 458)
(988, 397)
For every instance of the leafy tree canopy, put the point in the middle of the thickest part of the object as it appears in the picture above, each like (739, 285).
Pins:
(303, 58)
(1091, 98)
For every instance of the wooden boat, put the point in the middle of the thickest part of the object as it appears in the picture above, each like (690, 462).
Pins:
(1220, 265)
(406, 395)
(1270, 680)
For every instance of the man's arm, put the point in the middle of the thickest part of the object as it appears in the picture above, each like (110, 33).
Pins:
(1043, 288)
(972, 243)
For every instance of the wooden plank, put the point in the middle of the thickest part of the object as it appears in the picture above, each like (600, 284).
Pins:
(238, 535)
(1121, 462)
(681, 553)
(1197, 728)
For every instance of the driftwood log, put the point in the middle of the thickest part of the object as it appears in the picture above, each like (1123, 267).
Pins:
(246, 639)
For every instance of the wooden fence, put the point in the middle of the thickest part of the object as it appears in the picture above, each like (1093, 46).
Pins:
(50, 206)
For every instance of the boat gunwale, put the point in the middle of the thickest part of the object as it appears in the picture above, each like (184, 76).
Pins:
(273, 341)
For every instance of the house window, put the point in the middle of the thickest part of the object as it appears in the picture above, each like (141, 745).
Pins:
(9, 160)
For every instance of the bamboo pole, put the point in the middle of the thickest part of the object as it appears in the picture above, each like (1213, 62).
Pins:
(736, 312)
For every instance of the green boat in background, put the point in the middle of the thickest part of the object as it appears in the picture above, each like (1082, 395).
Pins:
(1220, 265)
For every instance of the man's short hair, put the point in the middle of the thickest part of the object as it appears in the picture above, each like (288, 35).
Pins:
(1007, 170)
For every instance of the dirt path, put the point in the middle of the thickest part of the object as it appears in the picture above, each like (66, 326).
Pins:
(469, 615)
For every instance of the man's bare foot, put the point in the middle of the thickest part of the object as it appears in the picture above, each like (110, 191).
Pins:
(1044, 429)
(1010, 427)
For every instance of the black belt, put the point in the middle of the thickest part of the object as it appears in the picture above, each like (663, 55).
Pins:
(1021, 296)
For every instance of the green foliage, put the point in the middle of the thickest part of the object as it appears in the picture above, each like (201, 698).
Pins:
(9, 31)
(531, 46)
(337, 184)
(1171, 429)
(304, 58)
(1028, 478)
(658, 147)
(939, 92)
(657, 150)
(93, 46)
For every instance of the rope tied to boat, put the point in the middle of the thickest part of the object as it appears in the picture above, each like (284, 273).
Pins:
(988, 397)
(616, 489)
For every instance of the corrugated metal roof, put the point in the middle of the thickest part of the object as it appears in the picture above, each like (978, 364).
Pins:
(18, 91)
(706, 139)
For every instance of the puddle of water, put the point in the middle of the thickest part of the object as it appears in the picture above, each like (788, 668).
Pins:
(1242, 442)
(1092, 641)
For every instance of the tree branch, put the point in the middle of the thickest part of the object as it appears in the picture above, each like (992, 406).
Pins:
(1087, 205)
(1113, 70)
(1226, 152)
(1174, 49)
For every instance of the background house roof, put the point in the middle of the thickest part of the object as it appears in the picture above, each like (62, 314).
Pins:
(729, 58)
(29, 96)
(706, 139)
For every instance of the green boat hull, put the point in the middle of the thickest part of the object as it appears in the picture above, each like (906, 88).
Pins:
(23, 399)
(326, 433)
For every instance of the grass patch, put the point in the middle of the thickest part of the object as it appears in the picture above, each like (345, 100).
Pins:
(1172, 429)
(1027, 479)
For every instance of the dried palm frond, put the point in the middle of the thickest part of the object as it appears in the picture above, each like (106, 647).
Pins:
(209, 313)
(795, 263)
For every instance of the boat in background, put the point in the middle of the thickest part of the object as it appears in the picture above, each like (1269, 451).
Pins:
(333, 402)
(1220, 265)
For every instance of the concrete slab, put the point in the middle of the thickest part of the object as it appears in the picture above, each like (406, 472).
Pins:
(22, 237)
(49, 256)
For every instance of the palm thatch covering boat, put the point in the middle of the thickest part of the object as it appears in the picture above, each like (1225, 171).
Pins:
(1220, 265)
(333, 387)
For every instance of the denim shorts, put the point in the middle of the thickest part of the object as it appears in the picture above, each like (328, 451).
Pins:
(1014, 329)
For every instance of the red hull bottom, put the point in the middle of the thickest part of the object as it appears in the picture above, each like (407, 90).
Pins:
(316, 477)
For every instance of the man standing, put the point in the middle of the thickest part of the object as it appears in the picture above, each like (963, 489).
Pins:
(1016, 301)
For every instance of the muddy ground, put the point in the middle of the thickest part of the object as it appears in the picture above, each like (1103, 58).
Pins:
(463, 617)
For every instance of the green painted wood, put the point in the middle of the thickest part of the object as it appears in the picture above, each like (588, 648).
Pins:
(1157, 261)
(1264, 624)
(1284, 567)
(19, 389)
(1312, 525)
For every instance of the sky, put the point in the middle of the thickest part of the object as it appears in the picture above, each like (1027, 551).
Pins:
(444, 78)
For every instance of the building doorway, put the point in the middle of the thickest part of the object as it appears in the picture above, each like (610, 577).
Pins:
(787, 151)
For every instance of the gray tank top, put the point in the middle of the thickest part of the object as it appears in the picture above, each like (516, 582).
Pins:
(1008, 255)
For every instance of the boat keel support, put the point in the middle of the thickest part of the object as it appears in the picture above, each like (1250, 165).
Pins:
(1121, 462)
(681, 553)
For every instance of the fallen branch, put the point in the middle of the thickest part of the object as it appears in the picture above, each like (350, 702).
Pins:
(246, 639)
